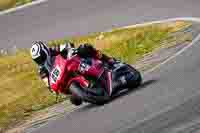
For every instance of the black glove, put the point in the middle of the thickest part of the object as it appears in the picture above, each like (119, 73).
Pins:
(43, 72)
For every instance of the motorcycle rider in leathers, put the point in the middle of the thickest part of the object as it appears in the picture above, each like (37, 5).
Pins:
(43, 56)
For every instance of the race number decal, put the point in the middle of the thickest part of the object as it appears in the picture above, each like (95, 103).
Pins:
(55, 74)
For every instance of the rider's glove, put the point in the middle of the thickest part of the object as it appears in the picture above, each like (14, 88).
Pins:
(43, 72)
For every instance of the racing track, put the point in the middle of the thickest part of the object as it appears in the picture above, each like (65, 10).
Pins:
(169, 86)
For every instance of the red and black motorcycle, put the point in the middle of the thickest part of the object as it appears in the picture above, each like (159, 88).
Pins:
(80, 77)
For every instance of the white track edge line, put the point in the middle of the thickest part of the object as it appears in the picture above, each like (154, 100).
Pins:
(37, 2)
(193, 19)
(176, 54)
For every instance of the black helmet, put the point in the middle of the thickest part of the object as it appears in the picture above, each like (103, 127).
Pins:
(40, 52)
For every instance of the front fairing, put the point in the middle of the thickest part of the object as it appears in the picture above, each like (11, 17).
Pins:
(57, 73)
(66, 70)
(63, 69)
(90, 67)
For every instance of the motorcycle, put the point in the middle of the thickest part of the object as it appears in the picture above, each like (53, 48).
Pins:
(79, 77)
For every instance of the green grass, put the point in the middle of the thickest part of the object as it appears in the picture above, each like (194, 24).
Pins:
(21, 91)
(22, 2)
(128, 44)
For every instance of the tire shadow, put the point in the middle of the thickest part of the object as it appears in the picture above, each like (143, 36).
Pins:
(120, 95)
(130, 91)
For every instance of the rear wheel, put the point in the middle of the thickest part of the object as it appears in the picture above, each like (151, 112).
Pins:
(135, 78)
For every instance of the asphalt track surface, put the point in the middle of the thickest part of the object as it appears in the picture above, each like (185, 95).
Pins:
(61, 18)
(164, 88)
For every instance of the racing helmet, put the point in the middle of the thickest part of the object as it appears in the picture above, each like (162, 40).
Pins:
(40, 52)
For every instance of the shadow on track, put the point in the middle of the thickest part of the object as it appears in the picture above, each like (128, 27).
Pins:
(128, 92)
(120, 95)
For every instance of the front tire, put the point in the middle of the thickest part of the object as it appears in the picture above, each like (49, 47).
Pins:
(77, 101)
(76, 97)
(79, 95)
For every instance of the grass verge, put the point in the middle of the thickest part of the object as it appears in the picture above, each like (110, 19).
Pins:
(6, 4)
(21, 91)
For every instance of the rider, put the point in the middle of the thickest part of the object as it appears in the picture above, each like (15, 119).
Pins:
(43, 56)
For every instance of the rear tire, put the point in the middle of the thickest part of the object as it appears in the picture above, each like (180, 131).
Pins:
(136, 78)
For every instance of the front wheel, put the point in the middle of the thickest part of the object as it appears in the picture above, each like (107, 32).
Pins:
(76, 94)
(76, 100)
(80, 95)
